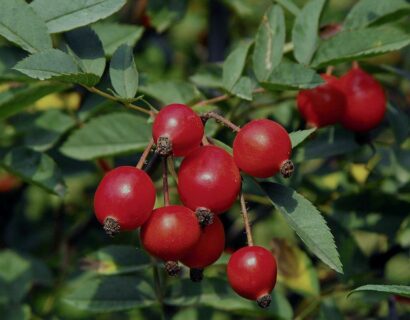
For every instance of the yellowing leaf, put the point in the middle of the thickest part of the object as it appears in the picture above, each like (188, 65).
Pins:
(69, 101)
(359, 172)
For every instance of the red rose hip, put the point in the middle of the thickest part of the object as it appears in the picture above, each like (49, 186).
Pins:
(124, 199)
(366, 101)
(170, 232)
(262, 148)
(209, 178)
(181, 125)
(207, 250)
(323, 105)
(252, 274)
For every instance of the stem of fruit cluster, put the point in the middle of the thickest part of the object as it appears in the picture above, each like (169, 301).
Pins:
(246, 220)
(205, 141)
(355, 64)
(158, 289)
(220, 119)
(171, 168)
(145, 154)
(329, 70)
(113, 98)
(165, 189)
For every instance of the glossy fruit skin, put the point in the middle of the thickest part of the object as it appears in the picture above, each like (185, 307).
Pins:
(181, 125)
(366, 101)
(323, 105)
(126, 194)
(260, 148)
(252, 272)
(209, 248)
(170, 232)
(209, 178)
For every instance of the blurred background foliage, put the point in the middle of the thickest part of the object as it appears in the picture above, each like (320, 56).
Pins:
(55, 261)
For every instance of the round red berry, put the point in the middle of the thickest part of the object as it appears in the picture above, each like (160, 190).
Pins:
(170, 233)
(181, 125)
(209, 248)
(126, 195)
(261, 148)
(366, 101)
(323, 105)
(252, 273)
(209, 178)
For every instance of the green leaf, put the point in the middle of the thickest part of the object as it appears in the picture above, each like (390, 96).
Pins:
(48, 129)
(61, 15)
(20, 24)
(243, 88)
(172, 91)
(290, 6)
(290, 75)
(113, 35)
(15, 276)
(15, 100)
(123, 72)
(329, 142)
(35, 168)
(54, 64)
(234, 65)
(117, 259)
(89, 57)
(305, 33)
(208, 76)
(403, 291)
(269, 42)
(356, 44)
(297, 137)
(217, 294)
(108, 135)
(307, 221)
(365, 12)
(16, 312)
(9, 56)
(114, 293)
(399, 122)
(163, 14)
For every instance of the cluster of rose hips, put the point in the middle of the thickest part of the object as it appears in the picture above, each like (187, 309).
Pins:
(209, 182)
(356, 100)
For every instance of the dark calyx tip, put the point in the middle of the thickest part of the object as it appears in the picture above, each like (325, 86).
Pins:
(111, 226)
(287, 168)
(164, 146)
(264, 301)
(172, 268)
(196, 275)
(205, 217)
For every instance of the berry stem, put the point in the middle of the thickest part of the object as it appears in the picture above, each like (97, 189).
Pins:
(355, 64)
(220, 119)
(103, 165)
(171, 168)
(158, 289)
(145, 154)
(165, 188)
(246, 220)
(113, 98)
(329, 70)
(205, 141)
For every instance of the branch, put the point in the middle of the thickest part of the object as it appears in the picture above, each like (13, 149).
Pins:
(124, 103)
(246, 220)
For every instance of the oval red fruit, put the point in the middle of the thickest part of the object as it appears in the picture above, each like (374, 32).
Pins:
(181, 125)
(366, 101)
(323, 105)
(170, 232)
(125, 194)
(209, 178)
(209, 248)
(252, 272)
(261, 147)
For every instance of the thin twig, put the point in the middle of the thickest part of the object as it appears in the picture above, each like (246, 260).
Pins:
(145, 154)
(165, 189)
(222, 98)
(220, 119)
(113, 98)
(246, 220)
(158, 287)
